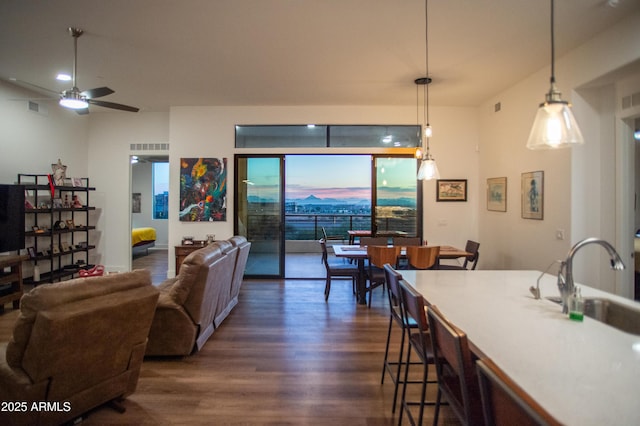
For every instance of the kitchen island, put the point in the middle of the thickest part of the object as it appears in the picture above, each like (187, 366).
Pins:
(582, 373)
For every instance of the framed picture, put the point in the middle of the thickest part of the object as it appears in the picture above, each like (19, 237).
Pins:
(136, 202)
(70, 224)
(55, 249)
(76, 181)
(451, 190)
(203, 190)
(533, 195)
(59, 173)
(32, 252)
(497, 194)
(65, 246)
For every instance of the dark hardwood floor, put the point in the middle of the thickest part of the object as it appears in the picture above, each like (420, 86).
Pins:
(282, 357)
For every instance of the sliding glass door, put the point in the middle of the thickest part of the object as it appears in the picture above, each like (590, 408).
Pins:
(397, 197)
(260, 214)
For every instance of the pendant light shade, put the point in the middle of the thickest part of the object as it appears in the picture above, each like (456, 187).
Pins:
(428, 168)
(554, 125)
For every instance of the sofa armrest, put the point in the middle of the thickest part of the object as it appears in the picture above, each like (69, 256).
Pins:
(15, 383)
(173, 331)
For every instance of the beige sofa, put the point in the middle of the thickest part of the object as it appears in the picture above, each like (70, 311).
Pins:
(194, 303)
(76, 345)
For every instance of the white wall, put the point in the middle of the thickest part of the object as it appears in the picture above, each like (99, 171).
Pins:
(580, 184)
(209, 132)
(109, 142)
(30, 142)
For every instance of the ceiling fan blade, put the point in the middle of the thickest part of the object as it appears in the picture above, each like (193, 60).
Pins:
(98, 92)
(113, 105)
(32, 86)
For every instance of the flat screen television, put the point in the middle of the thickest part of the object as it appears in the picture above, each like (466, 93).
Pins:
(11, 218)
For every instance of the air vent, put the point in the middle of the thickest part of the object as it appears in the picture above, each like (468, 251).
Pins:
(149, 147)
(632, 100)
(37, 108)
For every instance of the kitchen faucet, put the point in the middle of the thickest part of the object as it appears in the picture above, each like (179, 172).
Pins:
(565, 274)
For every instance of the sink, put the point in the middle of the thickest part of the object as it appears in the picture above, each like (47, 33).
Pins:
(612, 313)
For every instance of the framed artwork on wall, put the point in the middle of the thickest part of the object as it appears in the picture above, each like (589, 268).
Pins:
(451, 190)
(497, 194)
(203, 190)
(136, 202)
(533, 195)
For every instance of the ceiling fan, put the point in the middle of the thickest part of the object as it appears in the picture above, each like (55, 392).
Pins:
(80, 100)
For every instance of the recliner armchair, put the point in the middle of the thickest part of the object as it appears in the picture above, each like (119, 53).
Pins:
(77, 344)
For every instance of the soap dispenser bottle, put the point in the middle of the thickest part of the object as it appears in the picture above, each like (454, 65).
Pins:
(576, 305)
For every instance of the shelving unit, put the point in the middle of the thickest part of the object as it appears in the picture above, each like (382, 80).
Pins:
(59, 233)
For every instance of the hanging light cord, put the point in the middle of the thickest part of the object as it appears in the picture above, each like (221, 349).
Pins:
(553, 47)
(426, 60)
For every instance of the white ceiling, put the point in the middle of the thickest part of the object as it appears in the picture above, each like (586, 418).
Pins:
(161, 53)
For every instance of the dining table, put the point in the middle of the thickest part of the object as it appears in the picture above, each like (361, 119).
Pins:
(359, 254)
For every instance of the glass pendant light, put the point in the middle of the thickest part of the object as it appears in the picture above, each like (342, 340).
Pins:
(554, 125)
(428, 168)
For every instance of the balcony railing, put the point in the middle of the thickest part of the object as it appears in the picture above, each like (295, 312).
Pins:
(309, 226)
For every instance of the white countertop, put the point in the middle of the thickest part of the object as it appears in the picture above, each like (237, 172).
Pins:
(583, 373)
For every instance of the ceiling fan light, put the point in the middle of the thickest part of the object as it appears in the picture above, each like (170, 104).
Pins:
(73, 100)
(554, 127)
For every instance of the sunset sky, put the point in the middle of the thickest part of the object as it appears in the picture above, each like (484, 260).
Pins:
(331, 176)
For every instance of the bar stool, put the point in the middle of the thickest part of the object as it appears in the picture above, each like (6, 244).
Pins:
(457, 380)
(397, 317)
(413, 304)
(504, 403)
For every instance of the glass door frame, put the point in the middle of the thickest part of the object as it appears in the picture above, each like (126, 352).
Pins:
(281, 229)
(374, 193)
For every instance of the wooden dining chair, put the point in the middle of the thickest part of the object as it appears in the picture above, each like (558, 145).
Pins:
(413, 304)
(407, 241)
(423, 257)
(457, 380)
(378, 256)
(332, 237)
(333, 269)
(374, 241)
(471, 261)
(504, 403)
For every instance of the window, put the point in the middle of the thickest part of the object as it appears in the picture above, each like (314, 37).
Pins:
(160, 190)
(313, 136)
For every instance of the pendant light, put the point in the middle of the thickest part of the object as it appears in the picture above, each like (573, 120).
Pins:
(554, 125)
(428, 168)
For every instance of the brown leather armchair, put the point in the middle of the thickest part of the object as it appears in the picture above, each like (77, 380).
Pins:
(76, 345)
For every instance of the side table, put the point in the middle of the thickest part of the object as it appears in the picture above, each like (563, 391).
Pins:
(185, 250)
(14, 292)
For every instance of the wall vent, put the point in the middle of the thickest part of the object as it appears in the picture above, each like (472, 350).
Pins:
(149, 147)
(632, 100)
(37, 108)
